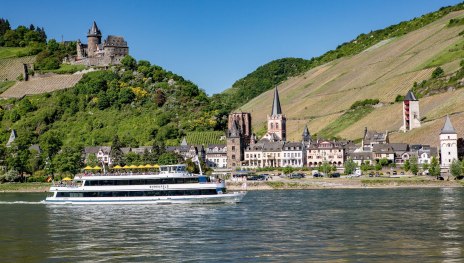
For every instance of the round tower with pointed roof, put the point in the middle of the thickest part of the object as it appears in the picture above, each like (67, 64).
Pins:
(448, 144)
(93, 40)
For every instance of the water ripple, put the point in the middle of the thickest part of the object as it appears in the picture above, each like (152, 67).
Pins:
(363, 225)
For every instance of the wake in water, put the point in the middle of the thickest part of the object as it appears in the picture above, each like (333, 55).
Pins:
(21, 202)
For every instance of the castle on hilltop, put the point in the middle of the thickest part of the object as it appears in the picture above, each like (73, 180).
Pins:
(98, 53)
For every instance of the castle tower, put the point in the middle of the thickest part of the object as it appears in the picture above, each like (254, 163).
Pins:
(411, 116)
(235, 145)
(93, 40)
(306, 136)
(243, 120)
(448, 144)
(276, 122)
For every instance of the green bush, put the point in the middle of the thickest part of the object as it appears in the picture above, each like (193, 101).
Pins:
(364, 103)
(438, 72)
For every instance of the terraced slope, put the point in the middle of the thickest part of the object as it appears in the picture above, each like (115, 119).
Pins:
(41, 85)
(322, 94)
(11, 68)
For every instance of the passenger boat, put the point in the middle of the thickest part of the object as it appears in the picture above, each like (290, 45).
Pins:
(172, 184)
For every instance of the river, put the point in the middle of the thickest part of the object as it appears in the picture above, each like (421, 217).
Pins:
(357, 225)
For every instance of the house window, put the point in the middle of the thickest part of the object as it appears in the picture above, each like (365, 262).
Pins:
(277, 125)
(233, 156)
(233, 148)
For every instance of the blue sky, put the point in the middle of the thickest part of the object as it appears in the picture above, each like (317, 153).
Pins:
(213, 43)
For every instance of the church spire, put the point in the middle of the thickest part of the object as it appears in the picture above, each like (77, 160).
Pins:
(448, 127)
(306, 135)
(276, 109)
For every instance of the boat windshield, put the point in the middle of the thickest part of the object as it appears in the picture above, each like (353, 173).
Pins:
(173, 169)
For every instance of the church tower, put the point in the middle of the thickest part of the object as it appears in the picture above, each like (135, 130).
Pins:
(306, 136)
(93, 40)
(448, 144)
(411, 116)
(276, 122)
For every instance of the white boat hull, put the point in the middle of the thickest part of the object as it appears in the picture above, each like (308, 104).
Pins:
(234, 197)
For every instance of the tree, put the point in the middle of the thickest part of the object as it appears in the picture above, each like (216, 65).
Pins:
(434, 169)
(50, 143)
(350, 166)
(438, 72)
(116, 153)
(456, 169)
(169, 158)
(378, 166)
(413, 165)
(325, 168)
(288, 170)
(365, 166)
(425, 167)
(407, 165)
(69, 160)
(131, 158)
(92, 159)
(157, 150)
(129, 62)
(383, 162)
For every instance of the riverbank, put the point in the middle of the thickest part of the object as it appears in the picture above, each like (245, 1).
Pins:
(25, 187)
(343, 183)
(278, 183)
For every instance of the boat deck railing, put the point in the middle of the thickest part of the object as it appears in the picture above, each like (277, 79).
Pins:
(129, 173)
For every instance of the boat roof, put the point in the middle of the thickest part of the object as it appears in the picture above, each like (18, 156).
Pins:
(135, 176)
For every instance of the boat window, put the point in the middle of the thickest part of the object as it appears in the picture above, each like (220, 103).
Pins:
(202, 179)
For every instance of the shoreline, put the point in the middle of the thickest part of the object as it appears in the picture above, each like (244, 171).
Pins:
(289, 184)
(342, 183)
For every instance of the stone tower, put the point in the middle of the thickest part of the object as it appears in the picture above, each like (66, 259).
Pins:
(276, 122)
(235, 146)
(93, 40)
(243, 120)
(448, 144)
(411, 116)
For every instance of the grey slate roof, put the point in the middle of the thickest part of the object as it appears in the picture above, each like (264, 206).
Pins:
(273, 146)
(305, 131)
(94, 31)
(410, 96)
(292, 146)
(276, 109)
(399, 147)
(12, 138)
(448, 127)
(382, 148)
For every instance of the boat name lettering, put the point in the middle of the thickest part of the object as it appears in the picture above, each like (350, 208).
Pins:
(161, 186)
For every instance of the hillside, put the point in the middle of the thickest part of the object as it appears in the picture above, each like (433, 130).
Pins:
(273, 73)
(11, 68)
(41, 85)
(320, 96)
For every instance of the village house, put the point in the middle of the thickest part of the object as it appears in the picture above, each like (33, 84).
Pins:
(216, 156)
(293, 154)
(325, 151)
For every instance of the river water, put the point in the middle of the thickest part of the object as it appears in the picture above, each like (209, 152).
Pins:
(362, 225)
